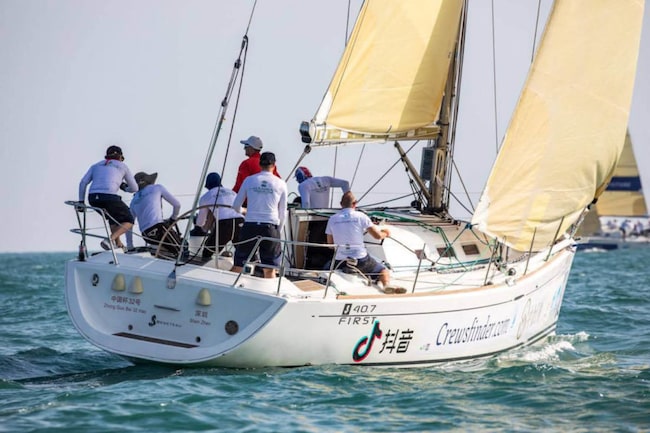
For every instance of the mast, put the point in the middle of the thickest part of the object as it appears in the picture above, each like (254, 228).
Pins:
(442, 146)
(437, 179)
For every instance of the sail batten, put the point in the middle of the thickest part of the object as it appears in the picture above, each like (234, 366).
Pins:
(569, 126)
(390, 80)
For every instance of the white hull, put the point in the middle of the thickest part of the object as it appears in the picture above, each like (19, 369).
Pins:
(205, 320)
(472, 289)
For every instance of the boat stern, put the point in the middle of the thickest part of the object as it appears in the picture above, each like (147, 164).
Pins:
(130, 309)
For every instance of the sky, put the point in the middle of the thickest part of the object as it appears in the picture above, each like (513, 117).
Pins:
(79, 75)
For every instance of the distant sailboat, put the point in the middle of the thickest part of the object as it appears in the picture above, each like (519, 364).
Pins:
(610, 224)
(474, 288)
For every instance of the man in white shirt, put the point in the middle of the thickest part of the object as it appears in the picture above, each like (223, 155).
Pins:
(106, 178)
(216, 215)
(266, 195)
(315, 191)
(346, 229)
(146, 206)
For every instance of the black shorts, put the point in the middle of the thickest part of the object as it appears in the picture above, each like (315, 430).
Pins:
(228, 231)
(269, 252)
(116, 210)
(162, 232)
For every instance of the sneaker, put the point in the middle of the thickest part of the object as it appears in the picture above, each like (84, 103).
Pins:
(389, 290)
(106, 244)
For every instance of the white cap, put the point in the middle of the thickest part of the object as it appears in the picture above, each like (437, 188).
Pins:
(253, 141)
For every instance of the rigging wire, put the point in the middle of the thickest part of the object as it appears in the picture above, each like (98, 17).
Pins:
(494, 83)
(532, 54)
(376, 204)
(494, 62)
(461, 58)
(241, 83)
(356, 168)
(236, 109)
(345, 44)
(456, 108)
(347, 22)
(462, 182)
(215, 134)
(386, 172)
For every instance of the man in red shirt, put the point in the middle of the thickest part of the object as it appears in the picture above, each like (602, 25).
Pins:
(251, 165)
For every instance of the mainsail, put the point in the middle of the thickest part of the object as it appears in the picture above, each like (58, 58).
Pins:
(390, 80)
(568, 129)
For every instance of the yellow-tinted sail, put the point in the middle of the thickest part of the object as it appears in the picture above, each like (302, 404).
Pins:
(568, 129)
(390, 80)
(623, 196)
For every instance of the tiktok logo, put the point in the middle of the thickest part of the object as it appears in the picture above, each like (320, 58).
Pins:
(364, 346)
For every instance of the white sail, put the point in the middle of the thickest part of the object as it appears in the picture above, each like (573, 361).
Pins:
(568, 129)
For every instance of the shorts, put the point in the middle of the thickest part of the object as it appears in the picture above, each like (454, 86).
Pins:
(115, 209)
(269, 252)
(367, 265)
(162, 232)
(228, 231)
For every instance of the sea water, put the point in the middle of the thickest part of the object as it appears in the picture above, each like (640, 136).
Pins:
(594, 376)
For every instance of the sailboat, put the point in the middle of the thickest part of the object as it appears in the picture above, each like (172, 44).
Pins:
(475, 289)
(616, 220)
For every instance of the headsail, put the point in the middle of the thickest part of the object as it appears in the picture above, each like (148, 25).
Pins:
(623, 196)
(568, 129)
(391, 78)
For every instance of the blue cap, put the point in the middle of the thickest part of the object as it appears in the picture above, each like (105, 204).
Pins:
(213, 180)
